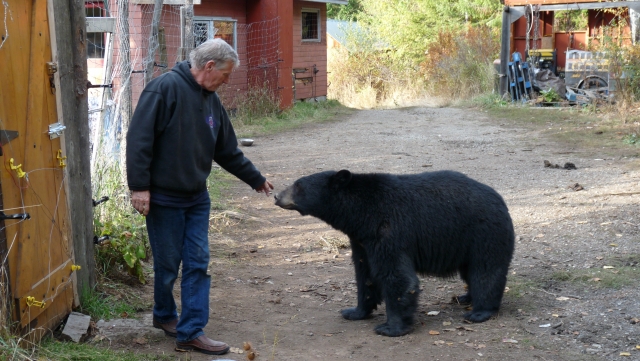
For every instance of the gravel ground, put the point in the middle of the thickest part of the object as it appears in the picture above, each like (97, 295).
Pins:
(572, 289)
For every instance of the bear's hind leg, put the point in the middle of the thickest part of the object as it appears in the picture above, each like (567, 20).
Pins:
(486, 291)
(466, 298)
(369, 293)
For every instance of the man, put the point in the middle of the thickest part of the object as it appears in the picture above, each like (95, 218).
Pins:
(178, 129)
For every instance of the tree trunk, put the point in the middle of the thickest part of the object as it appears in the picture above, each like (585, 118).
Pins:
(153, 42)
(187, 36)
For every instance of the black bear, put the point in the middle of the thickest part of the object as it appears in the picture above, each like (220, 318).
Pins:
(434, 223)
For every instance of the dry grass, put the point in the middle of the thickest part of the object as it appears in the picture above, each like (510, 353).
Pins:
(370, 79)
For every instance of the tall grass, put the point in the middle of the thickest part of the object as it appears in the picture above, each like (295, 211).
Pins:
(370, 78)
(256, 103)
(457, 64)
(460, 65)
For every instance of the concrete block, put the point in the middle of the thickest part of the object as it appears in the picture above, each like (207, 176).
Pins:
(76, 327)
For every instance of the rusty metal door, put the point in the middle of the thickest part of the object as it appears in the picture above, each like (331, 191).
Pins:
(33, 183)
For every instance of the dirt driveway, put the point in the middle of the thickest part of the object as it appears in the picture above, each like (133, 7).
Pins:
(279, 279)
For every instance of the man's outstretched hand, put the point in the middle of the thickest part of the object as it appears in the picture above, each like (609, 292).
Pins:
(266, 188)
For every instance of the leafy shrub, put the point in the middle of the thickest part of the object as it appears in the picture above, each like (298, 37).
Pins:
(127, 245)
(550, 96)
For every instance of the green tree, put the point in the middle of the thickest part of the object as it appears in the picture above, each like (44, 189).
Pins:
(345, 12)
(409, 26)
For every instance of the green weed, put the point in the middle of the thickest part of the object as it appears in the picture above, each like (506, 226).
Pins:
(615, 278)
(550, 96)
(489, 101)
(300, 113)
(631, 139)
(51, 349)
(100, 305)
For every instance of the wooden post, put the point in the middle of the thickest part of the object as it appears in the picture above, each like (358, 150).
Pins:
(153, 42)
(187, 36)
(504, 51)
(125, 79)
(70, 41)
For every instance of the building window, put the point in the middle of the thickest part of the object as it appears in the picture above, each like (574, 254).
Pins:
(95, 41)
(212, 28)
(311, 25)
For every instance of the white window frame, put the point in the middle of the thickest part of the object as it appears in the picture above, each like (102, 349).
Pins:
(311, 10)
(210, 20)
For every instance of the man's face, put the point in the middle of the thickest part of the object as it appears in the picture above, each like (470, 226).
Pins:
(214, 77)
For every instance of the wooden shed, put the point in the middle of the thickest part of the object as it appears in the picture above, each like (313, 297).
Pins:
(46, 254)
(529, 25)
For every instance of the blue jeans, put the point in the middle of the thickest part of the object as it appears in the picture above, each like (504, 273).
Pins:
(181, 235)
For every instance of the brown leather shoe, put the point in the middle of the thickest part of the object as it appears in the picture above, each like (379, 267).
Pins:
(203, 344)
(169, 328)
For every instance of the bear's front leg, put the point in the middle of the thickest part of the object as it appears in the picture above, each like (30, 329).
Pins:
(401, 290)
(369, 294)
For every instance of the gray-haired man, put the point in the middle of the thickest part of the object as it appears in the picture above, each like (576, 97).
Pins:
(179, 127)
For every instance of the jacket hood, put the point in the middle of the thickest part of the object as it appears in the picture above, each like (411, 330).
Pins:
(183, 69)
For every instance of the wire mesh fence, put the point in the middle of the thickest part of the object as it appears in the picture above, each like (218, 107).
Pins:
(121, 62)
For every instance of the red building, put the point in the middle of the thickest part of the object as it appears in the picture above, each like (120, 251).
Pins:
(281, 43)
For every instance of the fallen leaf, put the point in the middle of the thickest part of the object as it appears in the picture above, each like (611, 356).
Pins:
(439, 342)
(446, 323)
(625, 354)
(545, 325)
(260, 247)
(509, 340)
(596, 279)
(140, 341)
(432, 332)
(562, 298)
(599, 258)
(608, 267)
(433, 313)
(613, 245)
(555, 315)
(637, 347)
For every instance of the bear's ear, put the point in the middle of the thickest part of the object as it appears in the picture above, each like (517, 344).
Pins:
(342, 178)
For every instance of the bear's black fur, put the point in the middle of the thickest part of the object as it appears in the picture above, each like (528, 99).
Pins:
(434, 223)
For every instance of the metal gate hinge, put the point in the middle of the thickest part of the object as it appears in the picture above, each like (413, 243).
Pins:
(55, 130)
(52, 67)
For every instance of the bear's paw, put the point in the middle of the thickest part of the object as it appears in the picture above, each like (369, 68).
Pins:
(355, 313)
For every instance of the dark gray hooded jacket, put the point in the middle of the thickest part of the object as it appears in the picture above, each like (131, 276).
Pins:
(177, 130)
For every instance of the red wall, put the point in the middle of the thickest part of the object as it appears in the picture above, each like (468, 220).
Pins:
(307, 53)
(291, 53)
(236, 10)
(262, 10)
